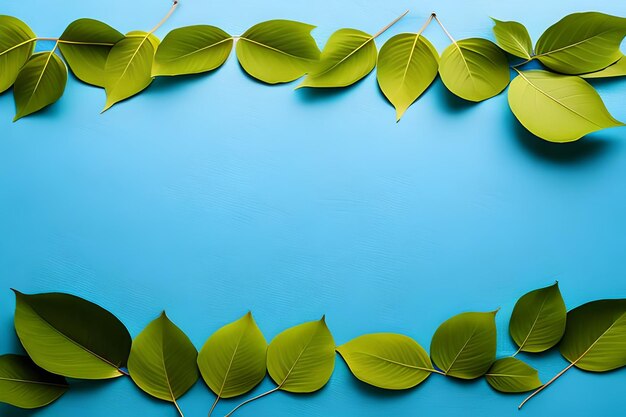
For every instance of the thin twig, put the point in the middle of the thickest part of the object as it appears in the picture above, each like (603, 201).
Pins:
(544, 386)
(383, 30)
(167, 16)
(217, 399)
(444, 28)
(252, 399)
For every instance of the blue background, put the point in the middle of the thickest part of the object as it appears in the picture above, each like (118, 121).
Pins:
(210, 195)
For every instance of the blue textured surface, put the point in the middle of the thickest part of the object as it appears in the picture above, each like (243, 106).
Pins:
(208, 196)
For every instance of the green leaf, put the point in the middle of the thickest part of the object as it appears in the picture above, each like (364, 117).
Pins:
(465, 345)
(16, 46)
(40, 83)
(582, 42)
(595, 336)
(162, 360)
(301, 359)
(617, 69)
(407, 65)
(128, 69)
(474, 69)
(69, 336)
(558, 108)
(512, 375)
(387, 360)
(24, 385)
(192, 50)
(513, 38)
(348, 56)
(277, 51)
(538, 319)
(232, 361)
(86, 46)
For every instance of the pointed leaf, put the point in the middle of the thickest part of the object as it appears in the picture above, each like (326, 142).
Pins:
(16, 47)
(513, 37)
(23, 384)
(192, 50)
(69, 336)
(162, 360)
(538, 319)
(595, 336)
(407, 65)
(558, 108)
(474, 69)
(301, 359)
(617, 69)
(582, 42)
(465, 345)
(348, 56)
(277, 51)
(86, 46)
(387, 360)
(512, 375)
(233, 360)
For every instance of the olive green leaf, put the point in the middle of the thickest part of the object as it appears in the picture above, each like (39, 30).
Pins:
(128, 69)
(512, 375)
(17, 42)
(407, 65)
(617, 69)
(513, 38)
(69, 336)
(86, 44)
(23, 384)
(192, 50)
(40, 83)
(277, 51)
(474, 69)
(387, 360)
(162, 361)
(557, 108)
(232, 361)
(538, 319)
(581, 42)
(465, 345)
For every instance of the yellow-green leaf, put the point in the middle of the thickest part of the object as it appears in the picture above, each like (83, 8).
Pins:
(16, 47)
(513, 37)
(617, 69)
(512, 375)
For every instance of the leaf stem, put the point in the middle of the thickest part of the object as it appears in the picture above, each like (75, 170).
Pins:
(123, 372)
(544, 386)
(423, 28)
(217, 399)
(396, 20)
(252, 399)
(437, 371)
(167, 16)
(444, 28)
(178, 409)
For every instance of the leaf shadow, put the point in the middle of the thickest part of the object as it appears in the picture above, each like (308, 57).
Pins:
(312, 94)
(385, 394)
(167, 84)
(448, 100)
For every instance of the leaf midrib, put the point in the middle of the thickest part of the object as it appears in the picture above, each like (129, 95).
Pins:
(25, 381)
(598, 339)
(306, 346)
(563, 48)
(204, 48)
(345, 58)
(406, 365)
(543, 302)
(460, 351)
(243, 38)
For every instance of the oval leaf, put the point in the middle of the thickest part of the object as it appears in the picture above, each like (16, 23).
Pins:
(474, 69)
(277, 51)
(538, 319)
(512, 375)
(615, 70)
(162, 360)
(302, 359)
(465, 345)
(16, 46)
(86, 46)
(513, 37)
(582, 42)
(595, 336)
(387, 360)
(192, 50)
(407, 65)
(558, 108)
(23, 384)
(232, 361)
(69, 336)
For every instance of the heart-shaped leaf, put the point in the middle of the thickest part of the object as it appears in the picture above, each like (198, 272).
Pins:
(86, 44)
(16, 46)
(513, 37)
(387, 360)
(617, 69)
(474, 69)
(512, 375)
(40, 83)
(301, 359)
(162, 360)
(538, 319)
(192, 50)
(582, 42)
(464, 346)
(23, 384)
(277, 51)
(69, 336)
(558, 108)
(407, 65)
(129, 67)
